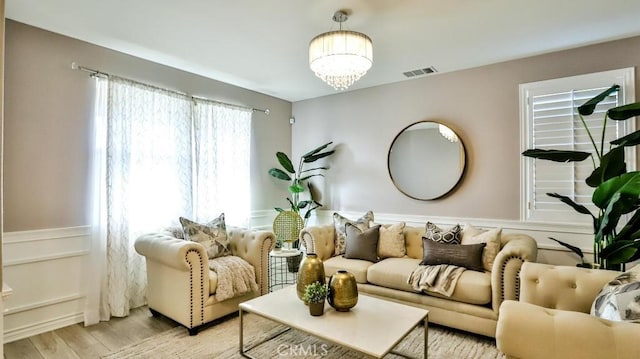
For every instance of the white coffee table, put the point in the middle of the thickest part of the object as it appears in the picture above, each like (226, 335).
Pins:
(373, 327)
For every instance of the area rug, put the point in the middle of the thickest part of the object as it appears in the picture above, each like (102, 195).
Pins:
(221, 341)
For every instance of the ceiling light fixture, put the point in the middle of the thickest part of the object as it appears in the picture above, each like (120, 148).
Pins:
(340, 57)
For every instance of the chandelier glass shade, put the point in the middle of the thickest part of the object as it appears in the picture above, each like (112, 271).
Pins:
(340, 57)
(447, 133)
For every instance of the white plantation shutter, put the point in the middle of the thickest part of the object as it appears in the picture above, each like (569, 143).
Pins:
(551, 121)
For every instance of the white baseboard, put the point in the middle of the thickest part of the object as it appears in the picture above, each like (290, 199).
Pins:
(32, 329)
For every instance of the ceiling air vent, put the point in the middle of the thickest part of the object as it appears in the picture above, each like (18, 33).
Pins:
(420, 72)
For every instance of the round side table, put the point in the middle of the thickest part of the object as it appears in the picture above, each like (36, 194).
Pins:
(283, 267)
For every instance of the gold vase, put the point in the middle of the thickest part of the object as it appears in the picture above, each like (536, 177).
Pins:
(311, 271)
(343, 291)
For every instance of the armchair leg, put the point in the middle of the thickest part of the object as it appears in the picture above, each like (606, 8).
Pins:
(193, 331)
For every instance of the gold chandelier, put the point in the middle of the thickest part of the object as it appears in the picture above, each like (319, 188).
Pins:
(340, 57)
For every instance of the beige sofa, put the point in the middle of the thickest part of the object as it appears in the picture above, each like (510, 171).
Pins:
(473, 305)
(551, 319)
(180, 284)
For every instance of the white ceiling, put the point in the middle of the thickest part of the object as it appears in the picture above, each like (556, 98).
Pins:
(262, 44)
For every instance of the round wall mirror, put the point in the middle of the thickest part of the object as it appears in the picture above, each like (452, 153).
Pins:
(426, 160)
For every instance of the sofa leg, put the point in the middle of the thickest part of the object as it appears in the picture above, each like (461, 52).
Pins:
(193, 331)
(154, 312)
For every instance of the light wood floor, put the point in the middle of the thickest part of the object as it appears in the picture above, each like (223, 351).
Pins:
(77, 341)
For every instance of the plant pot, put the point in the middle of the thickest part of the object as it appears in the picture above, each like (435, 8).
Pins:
(316, 309)
(293, 263)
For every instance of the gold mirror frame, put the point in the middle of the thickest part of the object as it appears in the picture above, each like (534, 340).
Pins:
(411, 171)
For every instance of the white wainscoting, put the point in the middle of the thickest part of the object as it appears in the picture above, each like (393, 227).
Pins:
(44, 268)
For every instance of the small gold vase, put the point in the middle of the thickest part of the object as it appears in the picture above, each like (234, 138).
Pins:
(343, 291)
(311, 270)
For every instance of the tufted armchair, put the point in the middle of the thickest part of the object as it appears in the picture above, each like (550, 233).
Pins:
(552, 319)
(180, 284)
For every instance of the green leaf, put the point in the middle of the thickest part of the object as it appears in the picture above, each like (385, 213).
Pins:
(588, 107)
(307, 177)
(622, 113)
(611, 165)
(303, 204)
(631, 139)
(557, 155)
(619, 205)
(315, 168)
(285, 162)
(627, 184)
(279, 209)
(630, 230)
(279, 174)
(316, 150)
(578, 207)
(296, 188)
(620, 251)
(574, 249)
(318, 156)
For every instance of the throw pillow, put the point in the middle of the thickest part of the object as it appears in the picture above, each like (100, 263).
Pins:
(435, 233)
(619, 300)
(461, 255)
(213, 236)
(362, 244)
(391, 243)
(340, 222)
(175, 231)
(473, 235)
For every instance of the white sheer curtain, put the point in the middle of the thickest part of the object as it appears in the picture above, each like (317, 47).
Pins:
(222, 166)
(158, 156)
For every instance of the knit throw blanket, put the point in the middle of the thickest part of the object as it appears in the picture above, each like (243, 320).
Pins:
(441, 279)
(236, 277)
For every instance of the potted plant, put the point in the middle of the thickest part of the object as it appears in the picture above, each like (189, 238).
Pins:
(616, 191)
(315, 295)
(298, 179)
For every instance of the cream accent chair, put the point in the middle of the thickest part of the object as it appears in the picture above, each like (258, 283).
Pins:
(551, 320)
(180, 285)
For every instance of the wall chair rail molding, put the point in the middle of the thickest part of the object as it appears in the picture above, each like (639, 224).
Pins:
(45, 270)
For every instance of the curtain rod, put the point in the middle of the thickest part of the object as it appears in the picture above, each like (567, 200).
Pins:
(93, 72)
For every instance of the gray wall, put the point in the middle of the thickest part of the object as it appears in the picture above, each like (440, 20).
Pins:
(47, 134)
(480, 104)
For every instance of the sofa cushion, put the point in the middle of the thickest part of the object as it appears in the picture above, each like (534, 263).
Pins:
(468, 256)
(362, 244)
(391, 241)
(340, 223)
(355, 266)
(213, 236)
(437, 234)
(473, 287)
(473, 235)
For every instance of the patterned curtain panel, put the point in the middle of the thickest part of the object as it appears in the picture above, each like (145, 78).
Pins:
(166, 156)
(222, 166)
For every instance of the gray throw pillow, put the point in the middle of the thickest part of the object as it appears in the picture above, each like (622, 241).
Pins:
(437, 234)
(213, 236)
(462, 255)
(362, 244)
(339, 222)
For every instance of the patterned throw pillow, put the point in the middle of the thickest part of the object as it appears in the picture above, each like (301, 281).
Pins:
(436, 234)
(391, 243)
(213, 235)
(619, 300)
(340, 222)
(473, 235)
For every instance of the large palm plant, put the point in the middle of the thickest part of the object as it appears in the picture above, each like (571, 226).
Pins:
(298, 178)
(617, 192)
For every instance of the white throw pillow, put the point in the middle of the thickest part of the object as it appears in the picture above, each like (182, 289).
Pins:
(473, 235)
(391, 243)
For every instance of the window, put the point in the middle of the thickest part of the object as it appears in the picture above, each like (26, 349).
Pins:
(550, 120)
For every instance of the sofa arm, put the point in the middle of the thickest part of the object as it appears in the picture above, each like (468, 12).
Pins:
(168, 250)
(505, 280)
(254, 247)
(320, 240)
(529, 331)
